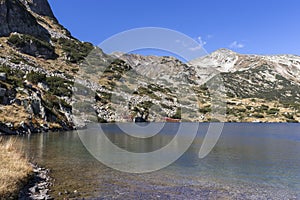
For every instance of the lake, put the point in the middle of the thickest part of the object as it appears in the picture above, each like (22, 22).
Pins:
(250, 161)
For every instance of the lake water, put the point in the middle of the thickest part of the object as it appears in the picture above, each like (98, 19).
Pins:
(250, 161)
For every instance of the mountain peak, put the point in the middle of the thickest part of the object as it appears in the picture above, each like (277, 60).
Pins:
(224, 51)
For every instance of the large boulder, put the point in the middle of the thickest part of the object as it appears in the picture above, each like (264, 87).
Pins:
(2, 76)
(2, 92)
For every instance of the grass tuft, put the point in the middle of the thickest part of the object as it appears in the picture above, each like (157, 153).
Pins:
(15, 169)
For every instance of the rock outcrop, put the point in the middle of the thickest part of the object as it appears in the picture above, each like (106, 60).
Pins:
(40, 7)
(14, 17)
(35, 80)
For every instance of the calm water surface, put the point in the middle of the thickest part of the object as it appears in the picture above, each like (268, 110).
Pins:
(250, 161)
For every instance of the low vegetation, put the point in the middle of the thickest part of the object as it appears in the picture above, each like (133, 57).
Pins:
(15, 170)
(75, 50)
(26, 44)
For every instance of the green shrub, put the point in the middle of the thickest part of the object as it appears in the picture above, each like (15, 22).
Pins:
(177, 114)
(103, 97)
(76, 51)
(166, 106)
(241, 110)
(249, 107)
(264, 107)
(35, 77)
(256, 115)
(289, 116)
(272, 111)
(59, 86)
(13, 77)
(26, 42)
(205, 110)
(146, 105)
(145, 91)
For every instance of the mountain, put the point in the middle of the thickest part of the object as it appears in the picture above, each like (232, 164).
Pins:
(49, 80)
(38, 61)
(257, 88)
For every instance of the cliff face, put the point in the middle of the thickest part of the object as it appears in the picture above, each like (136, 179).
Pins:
(40, 7)
(14, 17)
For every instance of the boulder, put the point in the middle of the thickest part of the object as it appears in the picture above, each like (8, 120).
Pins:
(2, 92)
(3, 76)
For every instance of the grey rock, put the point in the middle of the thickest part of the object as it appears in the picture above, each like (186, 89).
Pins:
(18, 102)
(40, 7)
(14, 17)
(43, 86)
(33, 189)
(2, 92)
(36, 106)
(2, 76)
(5, 100)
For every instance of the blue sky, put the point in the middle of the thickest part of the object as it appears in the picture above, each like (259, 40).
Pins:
(245, 26)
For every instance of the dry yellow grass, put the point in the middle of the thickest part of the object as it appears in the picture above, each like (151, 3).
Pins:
(15, 169)
(13, 113)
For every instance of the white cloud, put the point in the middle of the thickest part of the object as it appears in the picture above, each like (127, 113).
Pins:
(201, 41)
(209, 36)
(181, 42)
(199, 46)
(236, 45)
(195, 48)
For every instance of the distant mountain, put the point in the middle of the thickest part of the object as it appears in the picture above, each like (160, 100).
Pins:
(49, 80)
(258, 88)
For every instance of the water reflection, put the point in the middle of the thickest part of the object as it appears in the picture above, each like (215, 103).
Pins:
(260, 156)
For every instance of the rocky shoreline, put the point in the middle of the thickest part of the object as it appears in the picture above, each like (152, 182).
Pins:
(39, 185)
(9, 129)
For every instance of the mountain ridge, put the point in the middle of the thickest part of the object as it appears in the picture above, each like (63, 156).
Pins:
(45, 76)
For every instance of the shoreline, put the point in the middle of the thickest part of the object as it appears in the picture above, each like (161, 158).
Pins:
(62, 191)
(5, 131)
(20, 179)
(38, 186)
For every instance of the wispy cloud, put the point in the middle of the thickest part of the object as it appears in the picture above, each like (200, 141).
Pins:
(196, 48)
(236, 45)
(181, 42)
(201, 42)
(209, 36)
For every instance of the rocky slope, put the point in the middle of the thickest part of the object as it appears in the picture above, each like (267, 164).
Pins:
(257, 88)
(38, 61)
(51, 81)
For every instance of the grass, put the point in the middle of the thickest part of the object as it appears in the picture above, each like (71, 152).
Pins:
(14, 114)
(15, 169)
